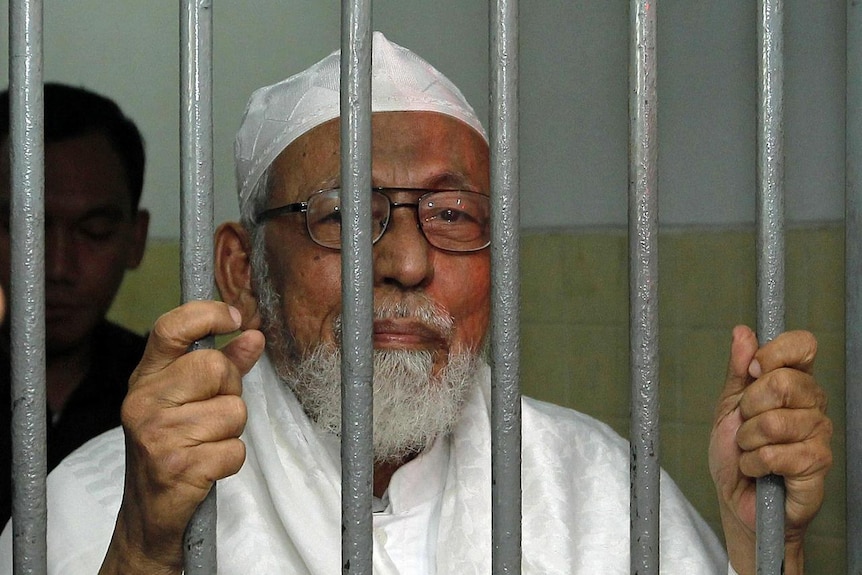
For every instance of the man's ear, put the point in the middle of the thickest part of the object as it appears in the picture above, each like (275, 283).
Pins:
(233, 272)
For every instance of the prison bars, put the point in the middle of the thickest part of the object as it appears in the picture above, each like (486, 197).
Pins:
(27, 188)
(505, 291)
(27, 292)
(196, 225)
(357, 460)
(643, 290)
(853, 288)
(770, 251)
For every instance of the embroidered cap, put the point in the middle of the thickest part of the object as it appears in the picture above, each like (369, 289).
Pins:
(277, 115)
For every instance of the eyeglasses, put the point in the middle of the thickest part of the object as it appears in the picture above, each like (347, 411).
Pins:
(452, 220)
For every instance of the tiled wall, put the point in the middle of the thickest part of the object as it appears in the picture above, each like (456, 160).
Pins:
(575, 340)
(574, 326)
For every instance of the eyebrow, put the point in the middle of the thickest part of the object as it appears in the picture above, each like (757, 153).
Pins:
(110, 212)
(113, 212)
(441, 181)
(450, 180)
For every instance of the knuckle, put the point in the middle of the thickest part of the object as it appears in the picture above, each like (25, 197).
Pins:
(769, 455)
(163, 328)
(823, 430)
(212, 365)
(813, 459)
(178, 468)
(821, 399)
(779, 384)
(135, 408)
(810, 347)
(750, 464)
(234, 413)
(234, 455)
(772, 425)
(823, 459)
(238, 406)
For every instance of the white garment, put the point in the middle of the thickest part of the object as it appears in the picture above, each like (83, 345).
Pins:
(409, 524)
(281, 512)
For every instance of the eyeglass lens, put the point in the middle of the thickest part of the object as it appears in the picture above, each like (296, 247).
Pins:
(451, 220)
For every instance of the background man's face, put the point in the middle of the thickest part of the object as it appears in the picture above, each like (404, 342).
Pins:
(410, 149)
(91, 235)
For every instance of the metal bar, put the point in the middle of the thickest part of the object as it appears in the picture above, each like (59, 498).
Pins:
(770, 251)
(27, 292)
(197, 215)
(505, 291)
(356, 289)
(643, 290)
(853, 288)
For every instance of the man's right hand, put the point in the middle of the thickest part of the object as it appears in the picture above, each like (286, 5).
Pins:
(182, 419)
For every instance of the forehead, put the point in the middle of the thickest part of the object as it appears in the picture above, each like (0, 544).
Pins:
(80, 173)
(409, 149)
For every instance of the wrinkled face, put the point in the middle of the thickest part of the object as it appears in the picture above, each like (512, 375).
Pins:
(412, 150)
(91, 235)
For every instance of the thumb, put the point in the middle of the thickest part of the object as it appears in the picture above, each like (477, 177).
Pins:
(177, 329)
(742, 349)
(245, 349)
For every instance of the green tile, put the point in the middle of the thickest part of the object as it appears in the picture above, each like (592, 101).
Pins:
(706, 278)
(832, 518)
(541, 278)
(825, 555)
(700, 356)
(829, 369)
(544, 367)
(585, 368)
(595, 279)
(821, 279)
(581, 278)
(685, 456)
(150, 290)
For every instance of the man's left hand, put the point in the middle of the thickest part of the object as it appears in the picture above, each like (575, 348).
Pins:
(770, 419)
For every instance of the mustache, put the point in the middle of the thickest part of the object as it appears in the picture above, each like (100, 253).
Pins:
(416, 307)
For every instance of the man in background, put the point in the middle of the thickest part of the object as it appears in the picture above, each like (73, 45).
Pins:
(94, 232)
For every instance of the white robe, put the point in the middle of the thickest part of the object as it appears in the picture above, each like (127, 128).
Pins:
(281, 512)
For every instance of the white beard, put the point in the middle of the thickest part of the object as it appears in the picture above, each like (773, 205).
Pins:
(412, 404)
(411, 407)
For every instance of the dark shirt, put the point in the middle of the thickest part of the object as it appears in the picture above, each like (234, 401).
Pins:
(93, 408)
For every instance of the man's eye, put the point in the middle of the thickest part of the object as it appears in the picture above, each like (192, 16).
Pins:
(452, 216)
(98, 231)
(333, 217)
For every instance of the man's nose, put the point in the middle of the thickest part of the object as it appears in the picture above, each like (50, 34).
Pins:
(402, 256)
(60, 260)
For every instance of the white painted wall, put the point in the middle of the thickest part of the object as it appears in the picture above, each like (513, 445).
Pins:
(574, 109)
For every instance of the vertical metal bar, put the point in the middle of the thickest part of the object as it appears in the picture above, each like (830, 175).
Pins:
(27, 292)
(643, 289)
(853, 285)
(505, 291)
(770, 251)
(196, 137)
(356, 284)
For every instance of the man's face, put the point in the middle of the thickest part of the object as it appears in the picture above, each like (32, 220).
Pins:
(91, 235)
(409, 150)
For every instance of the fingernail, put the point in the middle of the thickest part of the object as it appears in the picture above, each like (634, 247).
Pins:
(754, 369)
(234, 313)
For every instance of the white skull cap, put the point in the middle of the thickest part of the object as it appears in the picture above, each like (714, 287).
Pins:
(277, 115)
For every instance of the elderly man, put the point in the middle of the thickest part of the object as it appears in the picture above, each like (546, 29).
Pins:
(268, 425)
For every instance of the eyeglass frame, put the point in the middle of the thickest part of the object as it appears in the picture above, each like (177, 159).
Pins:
(302, 207)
